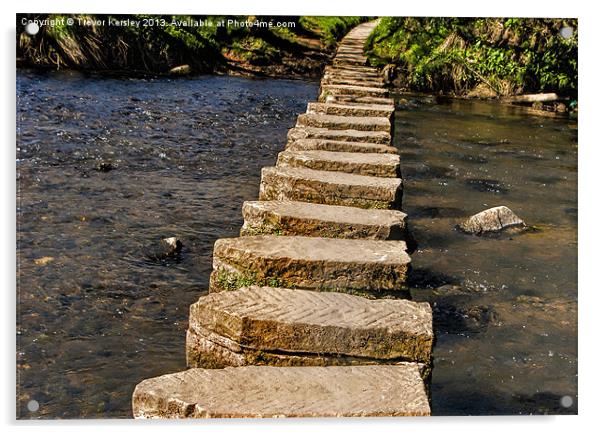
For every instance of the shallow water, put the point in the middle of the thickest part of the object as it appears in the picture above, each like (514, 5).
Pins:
(100, 316)
(106, 167)
(505, 307)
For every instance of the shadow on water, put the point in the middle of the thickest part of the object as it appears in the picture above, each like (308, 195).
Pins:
(504, 306)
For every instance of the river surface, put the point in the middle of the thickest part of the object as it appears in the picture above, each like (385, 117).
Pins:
(108, 167)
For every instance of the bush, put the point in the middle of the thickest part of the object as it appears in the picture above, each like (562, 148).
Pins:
(509, 56)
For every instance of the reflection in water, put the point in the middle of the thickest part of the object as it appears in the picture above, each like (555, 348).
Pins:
(505, 307)
(105, 168)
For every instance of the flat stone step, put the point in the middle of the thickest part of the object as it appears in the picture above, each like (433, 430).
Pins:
(365, 70)
(356, 61)
(330, 188)
(335, 122)
(269, 391)
(383, 165)
(339, 146)
(361, 267)
(286, 327)
(318, 220)
(378, 137)
(357, 76)
(352, 81)
(349, 99)
(368, 110)
(357, 91)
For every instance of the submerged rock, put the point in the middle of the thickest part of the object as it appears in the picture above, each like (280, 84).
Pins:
(164, 249)
(104, 166)
(492, 220)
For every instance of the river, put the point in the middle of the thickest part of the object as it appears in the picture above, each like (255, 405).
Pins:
(109, 166)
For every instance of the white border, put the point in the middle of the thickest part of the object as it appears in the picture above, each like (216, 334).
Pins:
(589, 193)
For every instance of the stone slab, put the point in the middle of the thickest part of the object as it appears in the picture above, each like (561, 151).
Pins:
(259, 322)
(317, 220)
(378, 137)
(368, 110)
(383, 165)
(339, 146)
(337, 122)
(350, 60)
(330, 188)
(268, 391)
(366, 70)
(361, 267)
(356, 91)
(353, 100)
(355, 73)
(352, 81)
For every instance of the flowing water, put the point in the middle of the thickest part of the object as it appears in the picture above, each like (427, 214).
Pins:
(505, 307)
(108, 167)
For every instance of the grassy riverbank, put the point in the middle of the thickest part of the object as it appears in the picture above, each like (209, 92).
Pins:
(204, 44)
(488, 57)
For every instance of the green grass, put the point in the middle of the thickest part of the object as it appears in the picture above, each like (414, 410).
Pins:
(331, 29)
(158, 48)
(510, 56)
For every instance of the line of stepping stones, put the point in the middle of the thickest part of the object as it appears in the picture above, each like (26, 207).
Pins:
(307, 313)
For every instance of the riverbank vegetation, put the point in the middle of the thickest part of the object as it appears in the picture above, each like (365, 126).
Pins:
(491, 57)
(153, 44)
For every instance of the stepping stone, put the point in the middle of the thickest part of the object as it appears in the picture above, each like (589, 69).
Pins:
(269, 391)
(339, 146)
(383, 165)
(287, 327)
(357, 91)
(349, 60)
(317, 220)
(378, 137)
(352, 81)
(334, 122)
(357, 76)
(363, 70)
(362, 267)
(353, 100)
(368, 110)
(330, 188)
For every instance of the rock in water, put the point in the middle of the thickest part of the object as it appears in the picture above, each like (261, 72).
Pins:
(166, 248)
(180, 70)
(492, 220)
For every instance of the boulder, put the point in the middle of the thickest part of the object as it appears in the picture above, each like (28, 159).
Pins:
(164, 249)
(492, 220)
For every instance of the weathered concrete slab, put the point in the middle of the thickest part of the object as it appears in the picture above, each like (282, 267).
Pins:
(383, 165)
(284, 327)
(362, 267)
(356, 91)
(335, 122)
(378, 137)
(318, 220)
(368, 110)
(268, 391)
(330, 188)
(339, 146)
